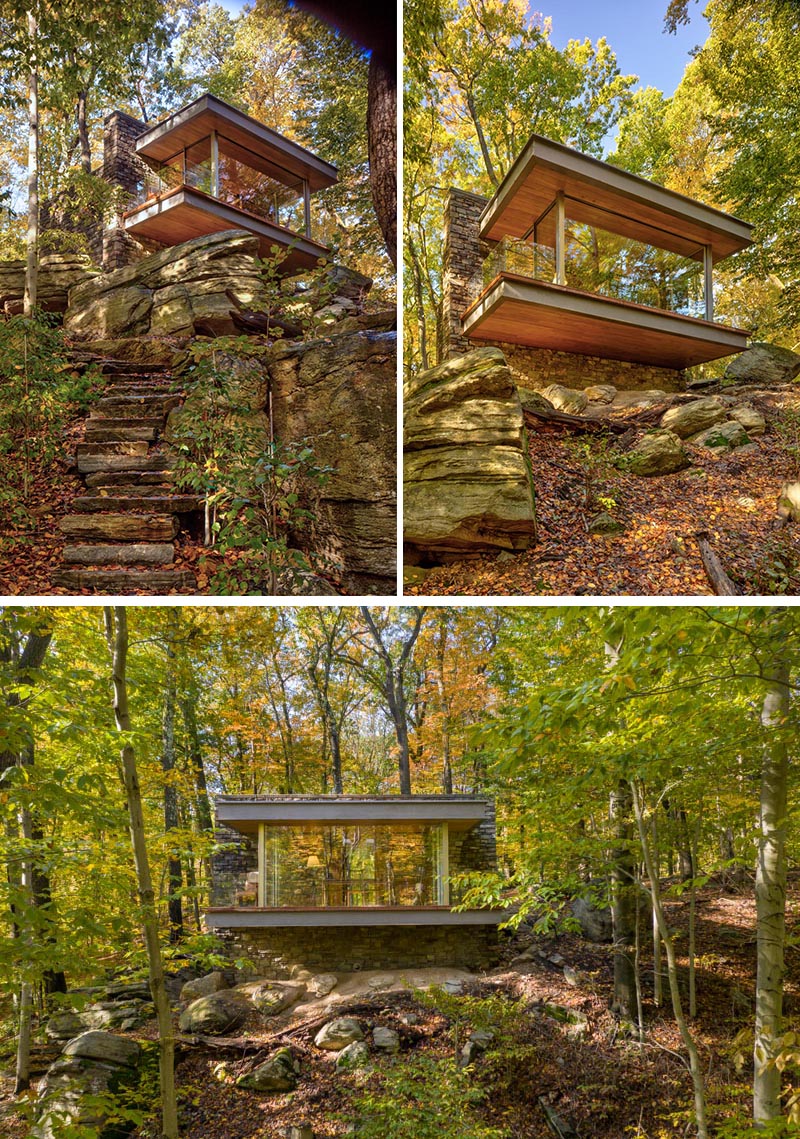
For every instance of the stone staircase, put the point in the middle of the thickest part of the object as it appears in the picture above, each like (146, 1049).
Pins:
(121, 535)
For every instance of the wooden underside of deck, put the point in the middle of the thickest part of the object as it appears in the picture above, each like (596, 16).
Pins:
(249, 917)
(517, 310)
(184, 213)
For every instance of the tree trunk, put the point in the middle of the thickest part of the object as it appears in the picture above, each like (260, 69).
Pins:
(116, 621)
(171, 821)
(382, 147)
(771, 893)
(83, 134)
(672, 972)
(201, 802)
(623, 902)
(30, 298)
(23, 1066)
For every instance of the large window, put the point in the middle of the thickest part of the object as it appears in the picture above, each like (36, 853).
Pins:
(320, 865)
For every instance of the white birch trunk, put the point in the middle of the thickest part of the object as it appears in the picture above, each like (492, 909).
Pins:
(30, 297)
(771, 894)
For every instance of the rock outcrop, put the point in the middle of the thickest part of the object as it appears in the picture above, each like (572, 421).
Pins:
(339, 393)
(338, 1033)
(189, 289)
(692, 418)
(467, 486)
(217, 1013)
(78, 1089)
(58, 273)
(765, 365)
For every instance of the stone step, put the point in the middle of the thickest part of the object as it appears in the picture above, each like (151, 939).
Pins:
(120, 527)
(113, 407)
(162, 503)
(135, 554)
(137, 488)
(110, 366)
(133, 477)
(95, 447)
(137, 392)
(126, 580)
(90, 464)
(120, 434)
(98, 423)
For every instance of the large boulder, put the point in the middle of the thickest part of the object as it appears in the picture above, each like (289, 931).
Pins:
(691, 418)
(340, 394)
(277, 1074)
(106, 1047)
(722, 437)
(58, 273)
(338, 1033)
(658, 453)
(216, 1014)
(352, 1057)
(594, 920)
(751, 420)
(271, 997)
(213, 982)
(187, 289)
(765, 365)
(569, 400)
(467, 484)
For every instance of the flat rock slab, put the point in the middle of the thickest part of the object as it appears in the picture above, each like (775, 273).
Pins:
(134, 554)
(114, 406)
(130, 476)
(162, 503)
(118, 447)
(104, 1046)
(121, 527)
(126, 580)
(100, 423)
(89, 464)
(120, 434)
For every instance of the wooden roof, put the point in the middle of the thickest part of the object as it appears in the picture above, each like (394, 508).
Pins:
(246, 139)
(186, 212)
(244, 812)
(518, 310)
(604, 196)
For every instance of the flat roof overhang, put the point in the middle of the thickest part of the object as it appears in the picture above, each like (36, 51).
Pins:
(278, 155)
(607, 197)
(245, 813)
(517, 310)
(250, 917)
(184, 213)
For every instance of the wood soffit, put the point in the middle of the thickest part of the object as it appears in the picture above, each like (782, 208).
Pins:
(516, 310)
(250, 141)
(605, 196)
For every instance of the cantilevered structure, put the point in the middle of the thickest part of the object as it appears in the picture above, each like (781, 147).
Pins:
(210, 167)
(558, 221)
(373, 872)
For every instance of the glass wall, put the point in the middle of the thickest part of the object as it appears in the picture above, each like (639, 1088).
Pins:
(240, 184)
(356, 865)
(597, 261)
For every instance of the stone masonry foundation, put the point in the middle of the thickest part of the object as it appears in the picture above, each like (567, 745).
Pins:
(273, 951)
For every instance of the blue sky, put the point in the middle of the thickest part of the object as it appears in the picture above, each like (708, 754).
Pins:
(634, 29)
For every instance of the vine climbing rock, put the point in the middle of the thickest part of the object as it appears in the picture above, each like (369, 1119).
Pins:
(467, 484)
(120, 536)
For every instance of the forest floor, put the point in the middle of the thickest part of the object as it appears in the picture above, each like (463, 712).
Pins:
(732, 497)
(598, 1077)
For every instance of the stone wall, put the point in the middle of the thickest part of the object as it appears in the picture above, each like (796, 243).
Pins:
(122, 167)
(462, 267)
(230, 866)
(274, 951)
(476, 848)
(539, 367)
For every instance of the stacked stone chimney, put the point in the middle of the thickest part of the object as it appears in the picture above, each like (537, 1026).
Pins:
(121, 167)
(462, 264)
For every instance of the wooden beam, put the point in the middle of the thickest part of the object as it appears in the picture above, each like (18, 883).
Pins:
(561, 233)
(708, 281)
(214, 165)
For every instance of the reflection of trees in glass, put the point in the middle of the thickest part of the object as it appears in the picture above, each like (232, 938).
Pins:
(338, 865)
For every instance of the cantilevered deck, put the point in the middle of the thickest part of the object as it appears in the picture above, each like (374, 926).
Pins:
(185, 212)
(518, 310)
